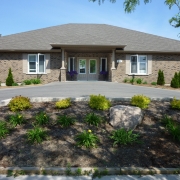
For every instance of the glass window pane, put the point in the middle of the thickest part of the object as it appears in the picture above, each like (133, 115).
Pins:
(142, 68)
(71, 65)
(82, 66)
(92, 66)
(41, 64)
(133, 64)
(32, 63)
(142, 59)
(103, 64)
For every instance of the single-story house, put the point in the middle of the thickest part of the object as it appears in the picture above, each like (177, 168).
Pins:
(89, 49)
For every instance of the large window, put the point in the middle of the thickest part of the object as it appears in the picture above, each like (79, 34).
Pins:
(138, 64)
(36, 63)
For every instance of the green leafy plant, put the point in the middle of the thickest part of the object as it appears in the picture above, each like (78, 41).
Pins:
(154, 83)
(9, 79)
(132, 80)
(16, 119)
(126, 80)
(175, 82)
(78, 172)
(65, 121)
(35, 81)
(139, 81)
(27, 82)
(15, 84)
(93, 119)
(175, 104)
(160, 79)
(36, 135)
(68, 171)
(140, 101)
(42, 118)
(64, 103)
(99, 174)
(19, 103)
(171, 127)
(99, 102)
(145, 82)
(3, 129)
(87, 139)
(123, 137)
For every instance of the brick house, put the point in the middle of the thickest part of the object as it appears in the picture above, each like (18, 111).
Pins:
(89, 49)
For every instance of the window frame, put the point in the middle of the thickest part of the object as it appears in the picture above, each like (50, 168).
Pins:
(138, 64)
(37, 64)
(101, 64)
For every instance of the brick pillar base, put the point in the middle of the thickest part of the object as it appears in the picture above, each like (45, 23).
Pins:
(63, 75)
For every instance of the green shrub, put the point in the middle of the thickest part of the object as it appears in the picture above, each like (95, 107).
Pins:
(99, 102)
(132, 80)
(35, 81)
(175, 104)
(145, 82)
(171, 127)
(126, 80)
(16, 119)
(160, 80)
(140, 101)
(121, 136)
(42, 118)
(175, 81)
(3, 129)
(65, 121)
(64, 103)
(93, 119)
(154, 83)
(15, 84)
(87, 139)
(19, 103)
(27, 82)
(36, 135)
(9, 80)
(139, 81)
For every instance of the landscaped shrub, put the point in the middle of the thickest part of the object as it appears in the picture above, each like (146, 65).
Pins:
(126, 80)
(36, 135)
(64, 103)
(175, 104)
(42, 118)
(140, 101)
(9, 80)
(15, 84)
(16, 119)
(93, 119)
(145, 82)
(65, 121)
(154, 83)
(139, 81)
(99, 102)
(19, 103)
(27, 82)
(36, 81)
(121, 136)
(87, 139)
(171, 127)
(160, 79)
(3, 129)
(175, 81)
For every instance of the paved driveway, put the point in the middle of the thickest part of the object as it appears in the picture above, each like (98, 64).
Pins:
(86, 88)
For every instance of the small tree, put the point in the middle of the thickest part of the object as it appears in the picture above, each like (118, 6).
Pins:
(160, 80)
(9, 80)
(175, 81)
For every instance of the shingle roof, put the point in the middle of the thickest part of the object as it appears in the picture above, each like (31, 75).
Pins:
(88, 34)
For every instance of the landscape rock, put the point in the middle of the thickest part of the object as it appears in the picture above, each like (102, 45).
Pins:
(127, 117)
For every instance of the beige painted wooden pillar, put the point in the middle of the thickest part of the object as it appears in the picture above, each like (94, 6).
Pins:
(113, 59)
(63, 69)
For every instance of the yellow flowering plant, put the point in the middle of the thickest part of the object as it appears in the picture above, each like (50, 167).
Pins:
(16, 119)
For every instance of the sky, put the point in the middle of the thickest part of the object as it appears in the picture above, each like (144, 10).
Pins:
(24, 15)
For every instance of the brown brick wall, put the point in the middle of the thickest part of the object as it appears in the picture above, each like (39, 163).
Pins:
(168, 63)
(14, 61)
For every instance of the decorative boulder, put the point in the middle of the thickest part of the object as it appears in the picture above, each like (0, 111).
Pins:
(127, 117)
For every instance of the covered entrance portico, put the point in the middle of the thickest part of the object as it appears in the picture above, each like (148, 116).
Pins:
(88, 61)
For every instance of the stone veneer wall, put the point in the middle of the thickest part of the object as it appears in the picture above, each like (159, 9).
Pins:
(15, 62)
(168, 63)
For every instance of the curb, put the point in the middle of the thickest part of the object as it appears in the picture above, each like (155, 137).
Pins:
(54, 99)
(90, 171)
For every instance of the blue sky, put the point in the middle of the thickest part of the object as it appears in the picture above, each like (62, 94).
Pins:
(24, 15)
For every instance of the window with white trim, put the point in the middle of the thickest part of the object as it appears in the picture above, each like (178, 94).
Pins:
(36, 63)
(71, 64)
(138, 64)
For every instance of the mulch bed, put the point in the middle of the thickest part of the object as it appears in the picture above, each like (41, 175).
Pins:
(157, 150)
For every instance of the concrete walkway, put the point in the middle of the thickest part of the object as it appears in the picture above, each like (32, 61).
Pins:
(123, 177)
(86, 88)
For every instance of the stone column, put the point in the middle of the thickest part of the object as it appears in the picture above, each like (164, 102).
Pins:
(63, 69)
